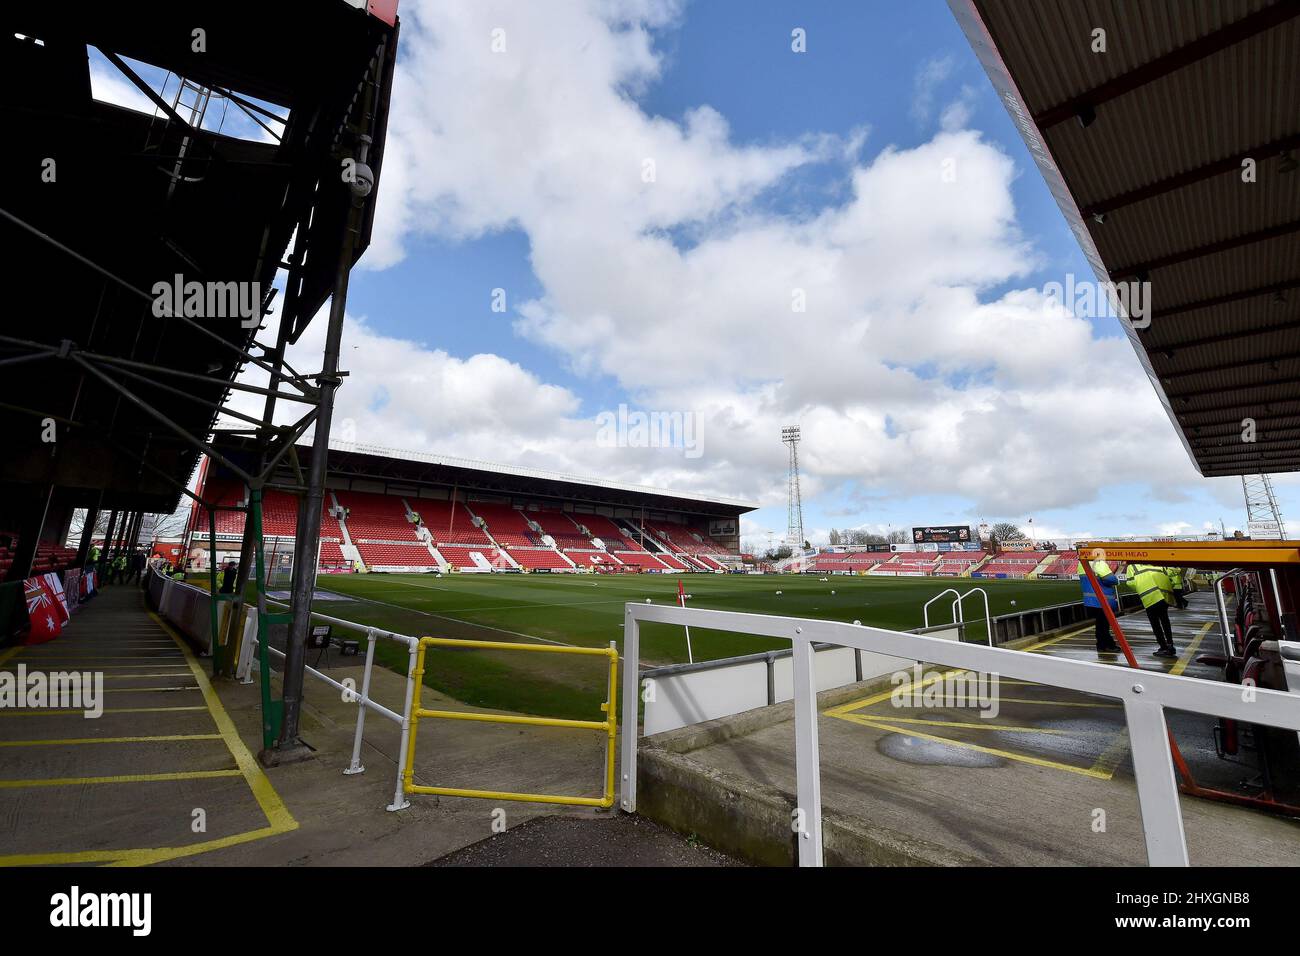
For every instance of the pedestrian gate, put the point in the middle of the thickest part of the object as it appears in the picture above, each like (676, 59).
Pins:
(609, 724)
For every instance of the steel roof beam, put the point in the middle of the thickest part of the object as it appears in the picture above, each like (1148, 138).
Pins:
(1187, 178)
(1085, 104)
(1241, 294)
(1230, 366)
(1233, 426)
(1173, 348)
(1272, 382)
(1236, 407)
(1223, 245)
(1243, 447)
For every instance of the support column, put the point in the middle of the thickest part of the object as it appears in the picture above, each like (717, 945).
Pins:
(29, 535)
(87, 534)
(235, 623)
(108, 536)
(308, 537)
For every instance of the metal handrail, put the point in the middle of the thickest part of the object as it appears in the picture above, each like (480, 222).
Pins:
(959, 610)
(1225, 630)
(988, 616)
(1144, 695)
(925, 608)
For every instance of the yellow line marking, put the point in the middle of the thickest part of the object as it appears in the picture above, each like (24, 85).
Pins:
(133, 676)
(1055, 703)
(91, 658)
(987, 725)
(1022, 758)
(926, 681)
(1109, 760)
(142, 690)
(125, 778)
(73, 741)
(134, 857)
(37, 712)
(277, 814)
(93, 648)
(929, 679)
(114, 667)
(1032, 648)
(1181, 664)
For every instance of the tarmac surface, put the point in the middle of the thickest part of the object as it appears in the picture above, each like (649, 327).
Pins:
(167, 774)
(616, 839)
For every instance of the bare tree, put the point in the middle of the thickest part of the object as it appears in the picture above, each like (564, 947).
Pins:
(78, 525)
(1006, 531)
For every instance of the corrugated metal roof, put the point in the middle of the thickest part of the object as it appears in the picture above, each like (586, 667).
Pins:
(1151, 134)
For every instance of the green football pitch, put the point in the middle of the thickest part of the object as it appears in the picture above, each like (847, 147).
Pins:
(587, 610)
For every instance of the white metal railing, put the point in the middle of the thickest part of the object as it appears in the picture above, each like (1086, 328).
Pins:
(959, 610)
(1144, 694)
(166, 594)
(925, 608)
(1221, 603)
(350, 694)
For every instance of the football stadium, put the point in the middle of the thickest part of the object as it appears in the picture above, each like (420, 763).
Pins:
(305, 562)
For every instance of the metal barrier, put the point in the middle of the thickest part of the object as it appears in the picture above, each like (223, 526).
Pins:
(609, 724)
(187, 607)
(362, 697)
(959, 611)
(1144, 695)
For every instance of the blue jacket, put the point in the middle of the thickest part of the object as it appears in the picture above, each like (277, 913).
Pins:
(1106, 578)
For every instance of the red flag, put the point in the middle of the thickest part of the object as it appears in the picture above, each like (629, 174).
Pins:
(681, 593)
(54, 585)
(43, 610)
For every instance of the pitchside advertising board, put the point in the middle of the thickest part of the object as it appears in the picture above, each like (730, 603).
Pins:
(942, 534)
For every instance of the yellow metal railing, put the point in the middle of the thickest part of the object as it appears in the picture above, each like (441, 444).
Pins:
(609, 724)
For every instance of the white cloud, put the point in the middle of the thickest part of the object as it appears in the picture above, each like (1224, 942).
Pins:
(109, 86)
(928, 79)
(956, 115)
(905, 371)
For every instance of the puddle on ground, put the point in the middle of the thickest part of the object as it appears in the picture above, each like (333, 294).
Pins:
(921, 751)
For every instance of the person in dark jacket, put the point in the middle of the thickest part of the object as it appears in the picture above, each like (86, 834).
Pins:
(135, 567)
(228, 574)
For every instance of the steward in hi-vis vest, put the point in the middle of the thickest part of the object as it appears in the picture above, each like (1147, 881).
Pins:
(1107, 579)
(1179, 589)
(1155, 591)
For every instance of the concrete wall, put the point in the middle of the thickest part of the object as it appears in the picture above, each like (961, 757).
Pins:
(691, 694)
(747, 819)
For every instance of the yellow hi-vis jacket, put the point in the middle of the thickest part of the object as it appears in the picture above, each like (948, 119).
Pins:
(1175, 578)
(1151, 583)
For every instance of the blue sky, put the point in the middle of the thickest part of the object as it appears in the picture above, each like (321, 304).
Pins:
(929, 388)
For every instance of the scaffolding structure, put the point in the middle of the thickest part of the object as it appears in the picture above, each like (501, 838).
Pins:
(1261, 507)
